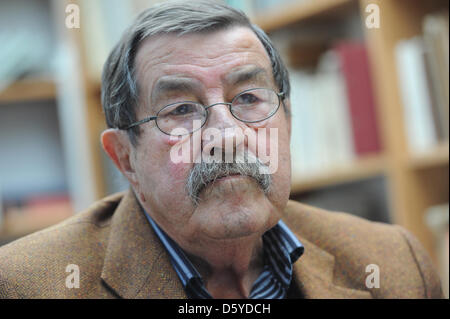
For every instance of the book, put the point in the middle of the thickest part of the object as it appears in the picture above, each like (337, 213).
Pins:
(36, 213)
(415, 94)
(435, 34)
(23, 26)
(361, 101)
(305, 124)
(336, 117)
(321, 137)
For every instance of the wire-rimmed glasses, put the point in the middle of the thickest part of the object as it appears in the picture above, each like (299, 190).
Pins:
(250, 106)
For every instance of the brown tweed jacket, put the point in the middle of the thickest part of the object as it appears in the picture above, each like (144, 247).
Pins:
(119, 255)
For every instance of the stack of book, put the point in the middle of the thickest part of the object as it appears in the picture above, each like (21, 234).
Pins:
(34, 213)
(423, 76)
(334, 118)
(26, 41)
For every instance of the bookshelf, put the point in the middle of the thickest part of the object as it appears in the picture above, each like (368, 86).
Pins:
(413, 191)
(34, 162)
(94, 113)
(364, 168)
(30, 99)
(29, 90)
(301, 11)
(39, 94)
(434, 158)
(415, 181)
(23, 223)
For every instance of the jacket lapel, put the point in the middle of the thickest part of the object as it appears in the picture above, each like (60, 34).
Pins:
(136, 264)
(314, 276)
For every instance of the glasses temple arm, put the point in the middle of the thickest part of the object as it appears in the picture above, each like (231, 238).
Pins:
(148, 119)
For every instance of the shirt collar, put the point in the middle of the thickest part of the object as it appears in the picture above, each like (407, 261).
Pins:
(281, 250)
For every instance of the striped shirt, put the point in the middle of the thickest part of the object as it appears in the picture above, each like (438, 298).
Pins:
(281, 249)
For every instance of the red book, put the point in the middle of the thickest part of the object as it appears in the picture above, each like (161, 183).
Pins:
(361, 102)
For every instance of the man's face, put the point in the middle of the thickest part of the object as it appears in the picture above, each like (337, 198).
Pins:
(205, 68)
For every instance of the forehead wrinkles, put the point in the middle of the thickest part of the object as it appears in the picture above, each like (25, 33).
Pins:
(238, 38)
(166, 61)
(197, 55)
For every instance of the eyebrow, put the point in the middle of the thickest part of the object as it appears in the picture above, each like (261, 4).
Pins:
(168, 84)
(174, 83)
(247, 74)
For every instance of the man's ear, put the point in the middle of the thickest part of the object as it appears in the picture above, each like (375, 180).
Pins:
(118, 147)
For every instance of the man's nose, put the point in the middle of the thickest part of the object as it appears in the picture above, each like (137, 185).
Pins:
(220, 137)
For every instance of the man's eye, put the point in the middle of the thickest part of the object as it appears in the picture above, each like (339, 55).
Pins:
(183, 109)
(247, 99)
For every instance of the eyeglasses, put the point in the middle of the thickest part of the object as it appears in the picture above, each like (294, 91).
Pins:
(249, 106)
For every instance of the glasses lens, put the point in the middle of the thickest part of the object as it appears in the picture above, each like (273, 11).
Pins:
(181, 118)
(255, 105)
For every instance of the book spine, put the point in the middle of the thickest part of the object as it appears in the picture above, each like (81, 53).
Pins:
(420, 127)
(361, 101)
(435, 30)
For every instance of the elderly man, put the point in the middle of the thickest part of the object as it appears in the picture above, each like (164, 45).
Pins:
(204, 227)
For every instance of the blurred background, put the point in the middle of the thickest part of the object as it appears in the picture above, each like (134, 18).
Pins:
(370, 108)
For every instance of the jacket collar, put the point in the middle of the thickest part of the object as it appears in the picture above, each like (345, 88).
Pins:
(314, 276)
(136, 264)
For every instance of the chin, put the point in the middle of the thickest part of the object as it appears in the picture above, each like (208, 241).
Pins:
(233, 190)
(228, 219)
(234, 228)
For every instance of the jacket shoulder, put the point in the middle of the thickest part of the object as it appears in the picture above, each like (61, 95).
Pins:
(405, 268)
(36, 265)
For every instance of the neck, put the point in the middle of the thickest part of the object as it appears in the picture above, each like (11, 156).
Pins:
(229, 268)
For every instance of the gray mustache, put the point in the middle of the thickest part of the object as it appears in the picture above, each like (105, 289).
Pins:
(203, 174)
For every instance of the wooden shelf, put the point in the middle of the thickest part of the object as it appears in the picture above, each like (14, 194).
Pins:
(27, 90)
(287, 15)
(438, 156)
(14, 227)
(361, 169)
(36, 213)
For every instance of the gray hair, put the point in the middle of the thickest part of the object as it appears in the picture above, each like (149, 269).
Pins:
(203, 174)
(119, 87)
